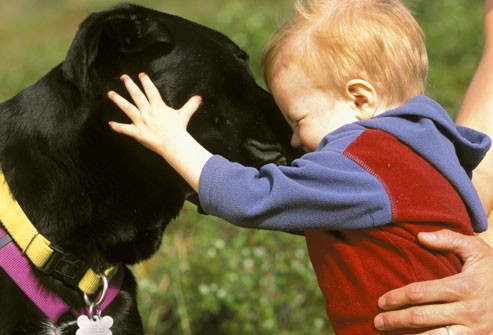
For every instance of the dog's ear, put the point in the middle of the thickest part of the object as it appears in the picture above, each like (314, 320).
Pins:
(111, 35)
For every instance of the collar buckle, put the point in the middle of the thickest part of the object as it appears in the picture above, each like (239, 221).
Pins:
(65, 267)
(6, 239)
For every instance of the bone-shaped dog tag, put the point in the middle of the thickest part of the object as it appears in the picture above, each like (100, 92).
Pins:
(96, 326)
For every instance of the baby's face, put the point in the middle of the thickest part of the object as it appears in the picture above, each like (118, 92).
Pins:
(311, 111)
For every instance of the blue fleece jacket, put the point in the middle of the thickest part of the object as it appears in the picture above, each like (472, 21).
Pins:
(327, 190)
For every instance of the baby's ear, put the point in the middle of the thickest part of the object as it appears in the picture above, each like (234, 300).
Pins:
(363, 97)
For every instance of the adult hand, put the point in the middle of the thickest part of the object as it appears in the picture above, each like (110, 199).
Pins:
(463, 302)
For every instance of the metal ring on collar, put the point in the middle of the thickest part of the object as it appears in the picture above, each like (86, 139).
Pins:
(104, 293)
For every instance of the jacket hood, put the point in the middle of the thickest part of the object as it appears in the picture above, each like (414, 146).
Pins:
(454, 150)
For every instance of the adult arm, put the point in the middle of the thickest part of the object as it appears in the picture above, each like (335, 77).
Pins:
(461, 302)
(477, 113)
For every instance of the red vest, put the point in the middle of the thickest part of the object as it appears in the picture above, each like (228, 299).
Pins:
(355, 267)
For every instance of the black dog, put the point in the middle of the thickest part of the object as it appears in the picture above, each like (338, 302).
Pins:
(100, 198)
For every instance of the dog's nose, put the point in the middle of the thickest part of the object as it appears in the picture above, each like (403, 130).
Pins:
(265, 152)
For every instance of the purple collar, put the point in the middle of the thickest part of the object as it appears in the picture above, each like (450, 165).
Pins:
(18, 268)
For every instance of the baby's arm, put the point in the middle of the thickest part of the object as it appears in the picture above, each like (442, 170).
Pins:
(162, 128)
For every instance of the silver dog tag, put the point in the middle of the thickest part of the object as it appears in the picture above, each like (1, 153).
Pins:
(96, 326)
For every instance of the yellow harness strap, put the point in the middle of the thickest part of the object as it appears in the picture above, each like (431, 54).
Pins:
(34, 245)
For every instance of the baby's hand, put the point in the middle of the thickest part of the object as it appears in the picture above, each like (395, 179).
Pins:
(154, 124)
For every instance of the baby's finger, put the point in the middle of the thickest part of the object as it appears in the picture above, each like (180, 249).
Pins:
(150, 89)
(122, 128)
(130, 110)
(135, 92)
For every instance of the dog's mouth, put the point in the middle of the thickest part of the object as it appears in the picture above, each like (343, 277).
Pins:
(260, 153)
(264, 153)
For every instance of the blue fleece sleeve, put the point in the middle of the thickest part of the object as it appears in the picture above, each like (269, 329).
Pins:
(323, 190)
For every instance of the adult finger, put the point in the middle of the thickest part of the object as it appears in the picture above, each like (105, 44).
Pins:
(135, 92)
(129, 109)
(469, 248)
(450, 330)
(419, 317)
(448, 289)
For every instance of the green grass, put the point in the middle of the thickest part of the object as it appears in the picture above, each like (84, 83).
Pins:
(35, 35)
(210, 277)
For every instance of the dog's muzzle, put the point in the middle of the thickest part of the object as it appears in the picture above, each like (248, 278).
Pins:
(265, 152)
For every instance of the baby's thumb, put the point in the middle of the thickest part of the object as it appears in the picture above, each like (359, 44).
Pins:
(190, 107)
(125, 129)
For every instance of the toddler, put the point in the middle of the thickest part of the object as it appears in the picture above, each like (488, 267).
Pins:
(383, 162)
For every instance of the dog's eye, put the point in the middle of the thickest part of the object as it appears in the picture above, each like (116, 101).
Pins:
(243, 57)
(244, 60)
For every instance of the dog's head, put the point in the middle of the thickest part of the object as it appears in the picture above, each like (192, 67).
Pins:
(115, 185)
(236, 118)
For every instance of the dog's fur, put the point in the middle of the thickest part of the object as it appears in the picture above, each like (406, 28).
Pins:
(101, 196)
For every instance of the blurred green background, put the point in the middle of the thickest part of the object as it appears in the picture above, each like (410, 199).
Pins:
(209, 277)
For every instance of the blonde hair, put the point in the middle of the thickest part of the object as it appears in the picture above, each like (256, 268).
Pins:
(334, 41)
